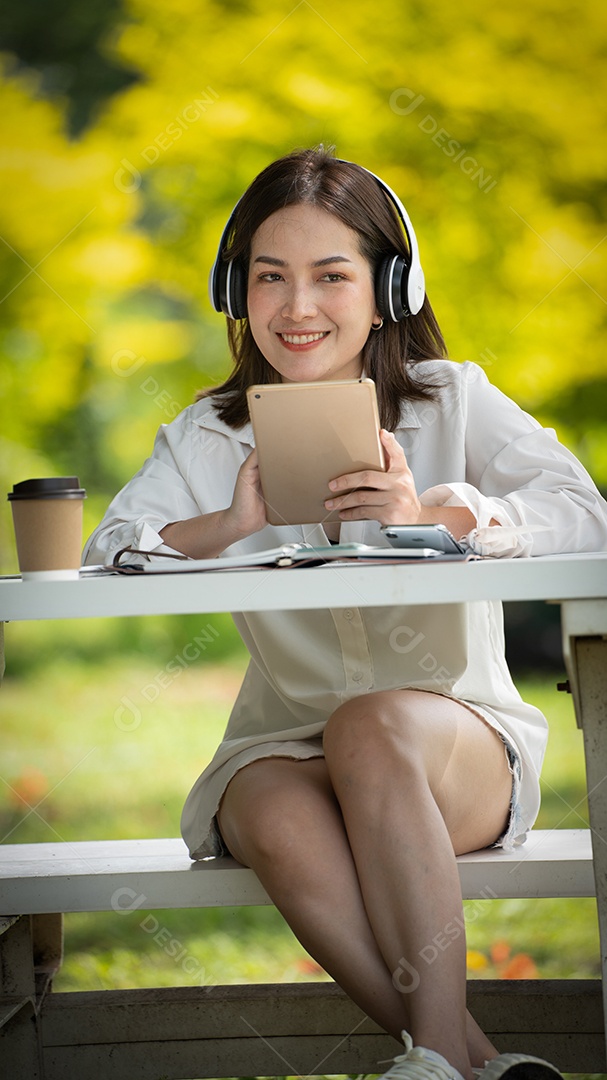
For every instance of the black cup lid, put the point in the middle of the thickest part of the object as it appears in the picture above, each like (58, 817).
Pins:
(49, 487)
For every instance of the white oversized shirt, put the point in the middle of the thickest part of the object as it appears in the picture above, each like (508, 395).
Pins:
(472, 446)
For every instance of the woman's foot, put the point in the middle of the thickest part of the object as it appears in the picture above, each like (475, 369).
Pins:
(518, 1067)
(417, 1063)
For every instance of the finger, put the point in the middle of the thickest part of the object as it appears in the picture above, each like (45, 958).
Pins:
(368, 478)
(249, 470)
(395, 462)
(364, 497)
(250, 462)
(365, 513)
(394, 453)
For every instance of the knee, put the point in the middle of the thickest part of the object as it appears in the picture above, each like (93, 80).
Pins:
(262, 823)
(367, 734)
(250, 827)
(348, 729)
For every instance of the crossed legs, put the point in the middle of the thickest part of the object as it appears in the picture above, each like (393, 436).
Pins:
(357, 850)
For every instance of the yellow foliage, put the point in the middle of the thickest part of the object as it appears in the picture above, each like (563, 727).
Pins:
(489, 122)
(113, 261)
(475, 960)
(124, 347)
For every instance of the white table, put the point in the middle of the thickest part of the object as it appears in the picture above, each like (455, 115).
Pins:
(577, 582)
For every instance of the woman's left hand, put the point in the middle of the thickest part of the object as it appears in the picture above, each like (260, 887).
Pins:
(389, 497)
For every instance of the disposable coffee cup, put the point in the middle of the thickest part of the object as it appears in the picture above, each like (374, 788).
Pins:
(47, 515)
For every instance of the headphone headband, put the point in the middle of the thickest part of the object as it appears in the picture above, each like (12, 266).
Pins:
(416, 286)
(399, 287)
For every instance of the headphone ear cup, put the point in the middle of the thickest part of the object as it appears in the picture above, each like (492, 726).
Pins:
(238, 290)
(416, 291)
(229, 289)
(381, 294)
(391, 288)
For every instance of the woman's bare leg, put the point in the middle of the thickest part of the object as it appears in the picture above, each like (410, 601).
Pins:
(419, 778)
(415, 775)
(281, 817)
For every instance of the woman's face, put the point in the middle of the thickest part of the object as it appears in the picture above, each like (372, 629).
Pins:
(311, 298)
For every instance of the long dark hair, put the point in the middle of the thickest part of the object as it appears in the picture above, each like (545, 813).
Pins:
(350, 193)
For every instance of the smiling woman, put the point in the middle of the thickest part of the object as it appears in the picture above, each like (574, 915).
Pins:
(378, 231)
(310, 316)
(352, 772)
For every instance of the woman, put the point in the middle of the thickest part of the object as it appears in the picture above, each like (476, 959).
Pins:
(368, 746)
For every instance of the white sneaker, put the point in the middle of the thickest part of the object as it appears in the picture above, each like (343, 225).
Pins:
(417, 1063)
(518, 1067)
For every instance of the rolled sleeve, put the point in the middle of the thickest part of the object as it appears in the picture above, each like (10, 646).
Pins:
(519, 475)
(156, 496)
(504, 539)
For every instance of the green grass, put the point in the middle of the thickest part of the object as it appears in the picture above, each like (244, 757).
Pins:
(111, 750)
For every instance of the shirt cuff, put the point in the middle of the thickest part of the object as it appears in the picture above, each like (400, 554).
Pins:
(146, 537)
(504, 540)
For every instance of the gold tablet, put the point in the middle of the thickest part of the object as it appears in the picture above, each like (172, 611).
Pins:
(307, 434)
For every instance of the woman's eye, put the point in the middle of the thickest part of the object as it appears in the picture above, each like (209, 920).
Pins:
(270, 276)
(333, 277)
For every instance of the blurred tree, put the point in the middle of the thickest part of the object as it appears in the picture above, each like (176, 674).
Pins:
(64, 41)
(488, 122)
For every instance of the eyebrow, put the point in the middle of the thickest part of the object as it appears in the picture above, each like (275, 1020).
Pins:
(319, 262)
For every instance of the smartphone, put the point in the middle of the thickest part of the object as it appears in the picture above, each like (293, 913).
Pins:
(307, 434)
(437, 537)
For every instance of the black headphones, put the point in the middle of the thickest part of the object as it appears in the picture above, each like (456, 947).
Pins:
(399, 283)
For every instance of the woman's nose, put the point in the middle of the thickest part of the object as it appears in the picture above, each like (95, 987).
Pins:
(299, 304)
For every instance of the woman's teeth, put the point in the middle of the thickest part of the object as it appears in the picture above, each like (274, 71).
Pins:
(303, 339)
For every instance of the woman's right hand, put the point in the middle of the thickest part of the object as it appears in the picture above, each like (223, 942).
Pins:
(247, 512)
(208, 535)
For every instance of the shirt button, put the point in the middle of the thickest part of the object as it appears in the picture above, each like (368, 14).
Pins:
(348, 614)
(357, 676)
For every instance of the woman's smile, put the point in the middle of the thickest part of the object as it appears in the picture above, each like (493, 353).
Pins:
(304, 339)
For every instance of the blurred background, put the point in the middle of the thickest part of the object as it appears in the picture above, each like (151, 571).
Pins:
(129, 128)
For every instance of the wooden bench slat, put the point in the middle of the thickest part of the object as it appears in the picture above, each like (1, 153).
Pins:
(123, 875)
(312, 1028)
(283, 1009)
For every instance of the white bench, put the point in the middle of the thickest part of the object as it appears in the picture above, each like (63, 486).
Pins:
(265, 1030)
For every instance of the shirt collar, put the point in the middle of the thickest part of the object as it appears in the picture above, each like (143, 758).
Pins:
(210, 420)
(408, 416)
